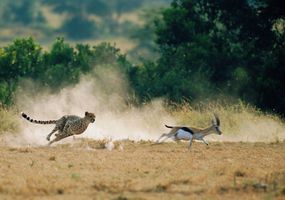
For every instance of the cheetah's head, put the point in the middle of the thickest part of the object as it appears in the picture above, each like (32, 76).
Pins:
(90, 116)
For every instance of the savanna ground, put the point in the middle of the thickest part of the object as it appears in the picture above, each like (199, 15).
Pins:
(85, 169)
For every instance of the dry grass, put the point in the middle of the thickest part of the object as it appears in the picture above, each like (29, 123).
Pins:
(239, 121)
(86, 170)
(8, 121)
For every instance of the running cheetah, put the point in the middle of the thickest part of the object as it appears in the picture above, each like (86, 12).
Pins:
(67, 125)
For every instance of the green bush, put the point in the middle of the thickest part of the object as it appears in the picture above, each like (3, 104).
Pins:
(57, 68)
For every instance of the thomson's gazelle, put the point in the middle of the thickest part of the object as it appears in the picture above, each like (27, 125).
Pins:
(190, 133)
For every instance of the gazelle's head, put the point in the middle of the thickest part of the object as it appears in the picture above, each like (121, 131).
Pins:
(216, 124)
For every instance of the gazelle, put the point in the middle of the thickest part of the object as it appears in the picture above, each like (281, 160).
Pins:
(190, 133)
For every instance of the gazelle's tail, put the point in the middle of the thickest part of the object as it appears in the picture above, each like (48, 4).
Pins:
(168, 126)
(37, 121)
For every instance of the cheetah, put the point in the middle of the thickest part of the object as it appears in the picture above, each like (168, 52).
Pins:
(68, 125)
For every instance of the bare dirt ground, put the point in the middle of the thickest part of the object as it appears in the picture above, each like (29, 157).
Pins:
(87, 170)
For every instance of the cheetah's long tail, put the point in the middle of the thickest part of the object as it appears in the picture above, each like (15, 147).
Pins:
(37, 121)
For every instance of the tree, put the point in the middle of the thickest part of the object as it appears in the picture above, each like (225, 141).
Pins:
(20, 59)
(228, 47)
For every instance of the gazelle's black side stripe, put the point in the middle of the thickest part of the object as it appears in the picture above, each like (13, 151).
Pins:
(187, 130)
(182, 128)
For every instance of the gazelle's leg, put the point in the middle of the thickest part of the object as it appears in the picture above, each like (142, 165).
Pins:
(163, 135)
(205, 141)
(169, 135)
(190, 142)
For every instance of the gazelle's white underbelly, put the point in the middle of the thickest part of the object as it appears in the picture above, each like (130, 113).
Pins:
(183, 135)
(198, 136)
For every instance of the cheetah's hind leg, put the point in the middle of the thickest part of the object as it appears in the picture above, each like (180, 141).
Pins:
(59, 136)
(49, 135)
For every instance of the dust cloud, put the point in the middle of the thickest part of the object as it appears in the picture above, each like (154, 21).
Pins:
(252, 127)
(105, 93)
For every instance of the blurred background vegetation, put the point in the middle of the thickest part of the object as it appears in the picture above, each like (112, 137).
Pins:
(181, 50)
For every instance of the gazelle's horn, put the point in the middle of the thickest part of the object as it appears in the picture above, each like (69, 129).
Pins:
(217, 119)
